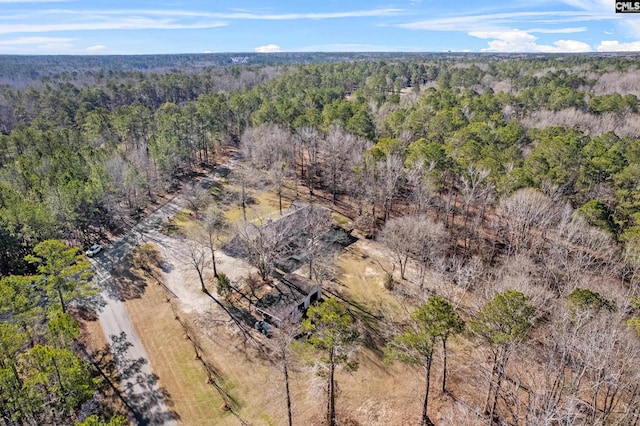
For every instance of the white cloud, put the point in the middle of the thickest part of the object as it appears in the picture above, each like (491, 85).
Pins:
(511, 36)
(502, 21)
(56, 47)
(522, 41)
(591, 5)
(616, 46)
(36, 41)
(97, 48)
(274, 16)
(124, 23)
(566, 46)
(241, 15)
(138, 19)
(268, 48)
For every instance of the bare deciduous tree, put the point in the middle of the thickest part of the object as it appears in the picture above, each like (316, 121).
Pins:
(196, 196)
(261, 243)
(413, 237)
(422, 186)
(286, 332)
(278, 173)
(464, 274)
(524, 217)
(339, 150)
(198, 259)
(209, 227)
(476, 192)
(316, 223)
(391, 176)
(308, 138)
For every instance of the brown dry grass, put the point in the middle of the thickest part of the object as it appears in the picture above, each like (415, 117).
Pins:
(171, 358)
(374, 394)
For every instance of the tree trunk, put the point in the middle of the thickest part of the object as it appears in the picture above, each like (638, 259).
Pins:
(493, 372)
(285, 366)
(244, 204)
(309, 174)
(333, 185)
(331, 392)
(63, 389)
(373, 220)
(388, 203)
(203, 288)
(425, 417)
(453, 210)
(403, 266)
(444, 364)
(213, 261)
(423, 273)
(496, 391)
(64, 307)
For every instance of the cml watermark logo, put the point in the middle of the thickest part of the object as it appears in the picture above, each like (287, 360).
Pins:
(628, 7)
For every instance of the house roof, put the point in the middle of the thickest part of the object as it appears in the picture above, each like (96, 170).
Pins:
(286, 293)
(297, 218)
(291, 226)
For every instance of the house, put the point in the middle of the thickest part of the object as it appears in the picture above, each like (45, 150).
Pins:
(289, 295)
(288, 239)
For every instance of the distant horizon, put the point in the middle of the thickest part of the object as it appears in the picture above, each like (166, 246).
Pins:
(275, 54)
(143, 27)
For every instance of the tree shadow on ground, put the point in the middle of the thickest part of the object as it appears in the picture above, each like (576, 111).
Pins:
(243, 315)
(166, 266)
(372, 334)
(146, 399)
(137, 390)
(84, 313)
(127, 284)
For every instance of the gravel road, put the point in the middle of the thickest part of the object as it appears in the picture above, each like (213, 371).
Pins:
(141, 391)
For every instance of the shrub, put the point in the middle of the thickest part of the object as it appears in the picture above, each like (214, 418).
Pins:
(224, 285)
(388, 281)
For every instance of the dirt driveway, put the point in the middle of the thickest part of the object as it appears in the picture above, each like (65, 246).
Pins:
(141, 390)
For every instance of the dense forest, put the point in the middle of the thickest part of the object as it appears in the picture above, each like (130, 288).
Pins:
(516, 176)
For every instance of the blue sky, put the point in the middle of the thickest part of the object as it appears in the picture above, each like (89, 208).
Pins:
(146, 27)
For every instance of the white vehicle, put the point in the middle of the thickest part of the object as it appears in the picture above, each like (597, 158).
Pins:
(93, 250)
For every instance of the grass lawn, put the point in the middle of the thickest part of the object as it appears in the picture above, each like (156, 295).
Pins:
(262, 205)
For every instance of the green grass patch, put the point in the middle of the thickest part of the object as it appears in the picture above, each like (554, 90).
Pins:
(341, 220)
(261, 205)
(177, 223)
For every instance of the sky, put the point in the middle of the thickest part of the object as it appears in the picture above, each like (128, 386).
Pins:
(155, 27)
